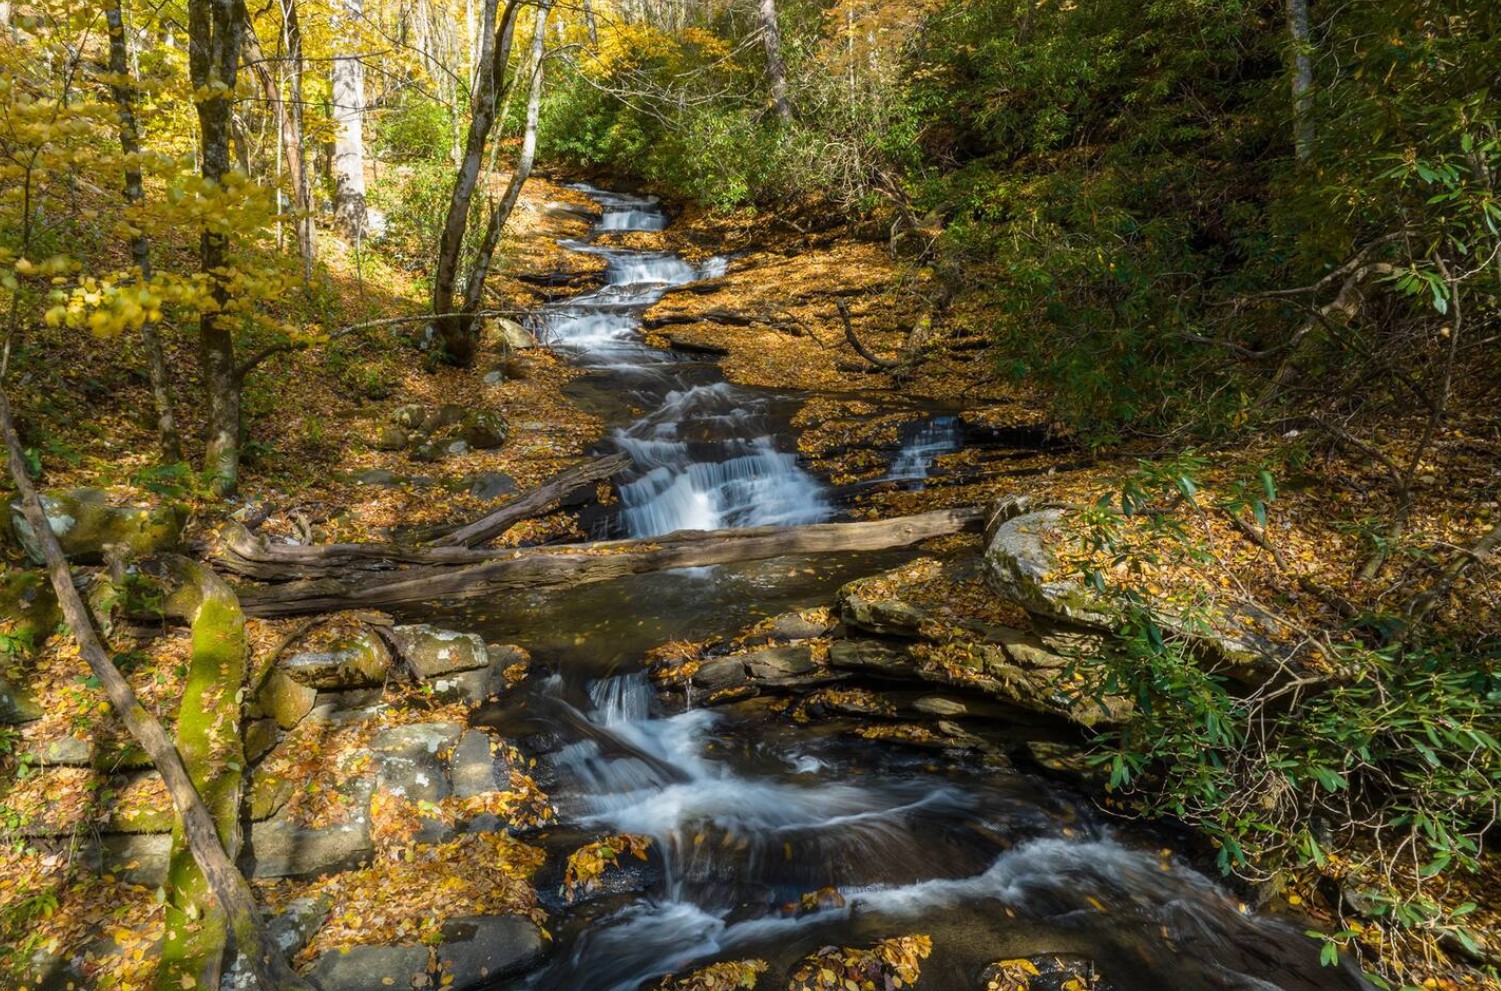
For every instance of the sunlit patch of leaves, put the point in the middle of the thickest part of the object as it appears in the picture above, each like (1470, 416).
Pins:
(732, 975)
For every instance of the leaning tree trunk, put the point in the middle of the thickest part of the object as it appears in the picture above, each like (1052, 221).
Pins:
(349, 142)
(479, 269)
(208, 737)
(497, 51)
(199, 831)
(215, 34)
(1302, 80)
(771, 34)
(140, 251)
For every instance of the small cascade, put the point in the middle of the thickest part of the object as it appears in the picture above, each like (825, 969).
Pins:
(922, 444)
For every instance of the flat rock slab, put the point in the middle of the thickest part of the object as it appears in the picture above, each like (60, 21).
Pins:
(417, 738)
(473, 768)
(416, 777)
(478, 950)
(370, 968)
(796, 626)
(431, 652)
(780, 662)
(279, 848)
(719, 673)
(876, 658)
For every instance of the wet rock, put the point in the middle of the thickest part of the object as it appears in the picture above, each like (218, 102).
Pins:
(431, 652)
(367, 968)
(260, 737)
(281, 848)
(417, 738)
(417, 777)
(85, 524)
(485, 429)
(862, 607)
(490, 485)
(359, 661)
(472, 767)
(795, 626)
(935, 705)
(876, 658)
(780, 662)
(140, 858)
(719, 673)
(479, 949)
(283, 699)
(391, 438)
(17, 704)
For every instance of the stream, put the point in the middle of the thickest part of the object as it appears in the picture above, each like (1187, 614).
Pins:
(748, 811)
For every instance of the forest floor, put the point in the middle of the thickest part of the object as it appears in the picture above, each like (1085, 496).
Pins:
(314, 464)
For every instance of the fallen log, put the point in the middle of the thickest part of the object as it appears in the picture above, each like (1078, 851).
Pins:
(199, 831)
(252, 556)
(534, 502)
(581, 564)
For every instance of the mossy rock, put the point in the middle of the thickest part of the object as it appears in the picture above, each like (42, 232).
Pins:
(283, 699)
(30, 605)
(485, 429)
(17, 704)
(358, 661)
(86, 523)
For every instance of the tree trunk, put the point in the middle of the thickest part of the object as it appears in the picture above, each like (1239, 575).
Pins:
(168, 438)
(208, 737)
(496, 53)
(534, 568)
(771, 33)
(200, 834)
(479, 269)
(1302, 81)
(215, 31)
(288, 114)
(349, 141)
(591, 24)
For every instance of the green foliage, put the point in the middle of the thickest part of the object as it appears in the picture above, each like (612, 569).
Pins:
(1387, 773)
(414, 128)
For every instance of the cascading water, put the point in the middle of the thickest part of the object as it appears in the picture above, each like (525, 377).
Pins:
(924, 444)
(753, 819)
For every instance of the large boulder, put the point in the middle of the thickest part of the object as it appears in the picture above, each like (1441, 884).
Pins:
(432, 653)
(86, 523)
(357, 660)
(478, 950)
(509, 333)
(370, 968)
(1022, 565)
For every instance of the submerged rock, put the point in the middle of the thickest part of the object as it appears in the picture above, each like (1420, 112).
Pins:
(85, 524)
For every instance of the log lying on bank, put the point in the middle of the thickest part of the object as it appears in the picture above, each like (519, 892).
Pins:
(537, 568)
(246, 554)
